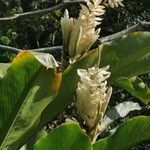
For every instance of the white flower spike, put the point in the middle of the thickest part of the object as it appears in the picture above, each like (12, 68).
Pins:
(93, 94)
(79, 34)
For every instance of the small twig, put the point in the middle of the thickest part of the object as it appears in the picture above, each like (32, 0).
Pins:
(39, 12)
(138, 27)
(52, 49)
(10, 49)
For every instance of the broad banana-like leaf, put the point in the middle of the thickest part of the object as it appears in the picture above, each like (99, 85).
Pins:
(128, 134)
(129, 56)
(136, 87)
(68, 85)
(66, 91)
(68, 136)
(26, 87)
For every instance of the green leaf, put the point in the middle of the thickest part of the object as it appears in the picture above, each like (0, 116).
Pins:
(68, 136)
(26, 88)
(128, 134)
(3, 69)
(128, 57)
(66, 90)
(136, 87)
(46, 59)
(5, 40)
(68, 86)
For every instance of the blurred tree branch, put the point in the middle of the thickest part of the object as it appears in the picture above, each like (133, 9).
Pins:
(10, 49)
(39, 12)
(141, 26)
(45, 50)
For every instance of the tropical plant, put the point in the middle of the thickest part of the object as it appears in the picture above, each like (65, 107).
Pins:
(34, 88)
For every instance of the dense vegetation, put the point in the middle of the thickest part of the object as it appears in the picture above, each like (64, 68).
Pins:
(45, 31)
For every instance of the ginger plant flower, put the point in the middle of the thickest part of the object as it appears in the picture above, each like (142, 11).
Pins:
(114, 3)
(92, 95)
(67, 26)
(79, 34)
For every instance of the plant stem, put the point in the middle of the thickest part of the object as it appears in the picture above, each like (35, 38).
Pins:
(64, 63)
(93, 134)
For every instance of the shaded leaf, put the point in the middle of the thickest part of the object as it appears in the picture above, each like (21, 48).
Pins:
(136, 87)
(128, 134)
(68, 136)
(129, 56)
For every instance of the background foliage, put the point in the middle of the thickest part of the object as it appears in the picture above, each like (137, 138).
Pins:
(45, 30)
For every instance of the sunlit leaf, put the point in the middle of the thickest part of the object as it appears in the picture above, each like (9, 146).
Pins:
(26, 88)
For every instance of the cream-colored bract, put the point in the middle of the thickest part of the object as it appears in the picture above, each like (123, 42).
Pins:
(114, 3)
(79, 34)
(93, 94)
